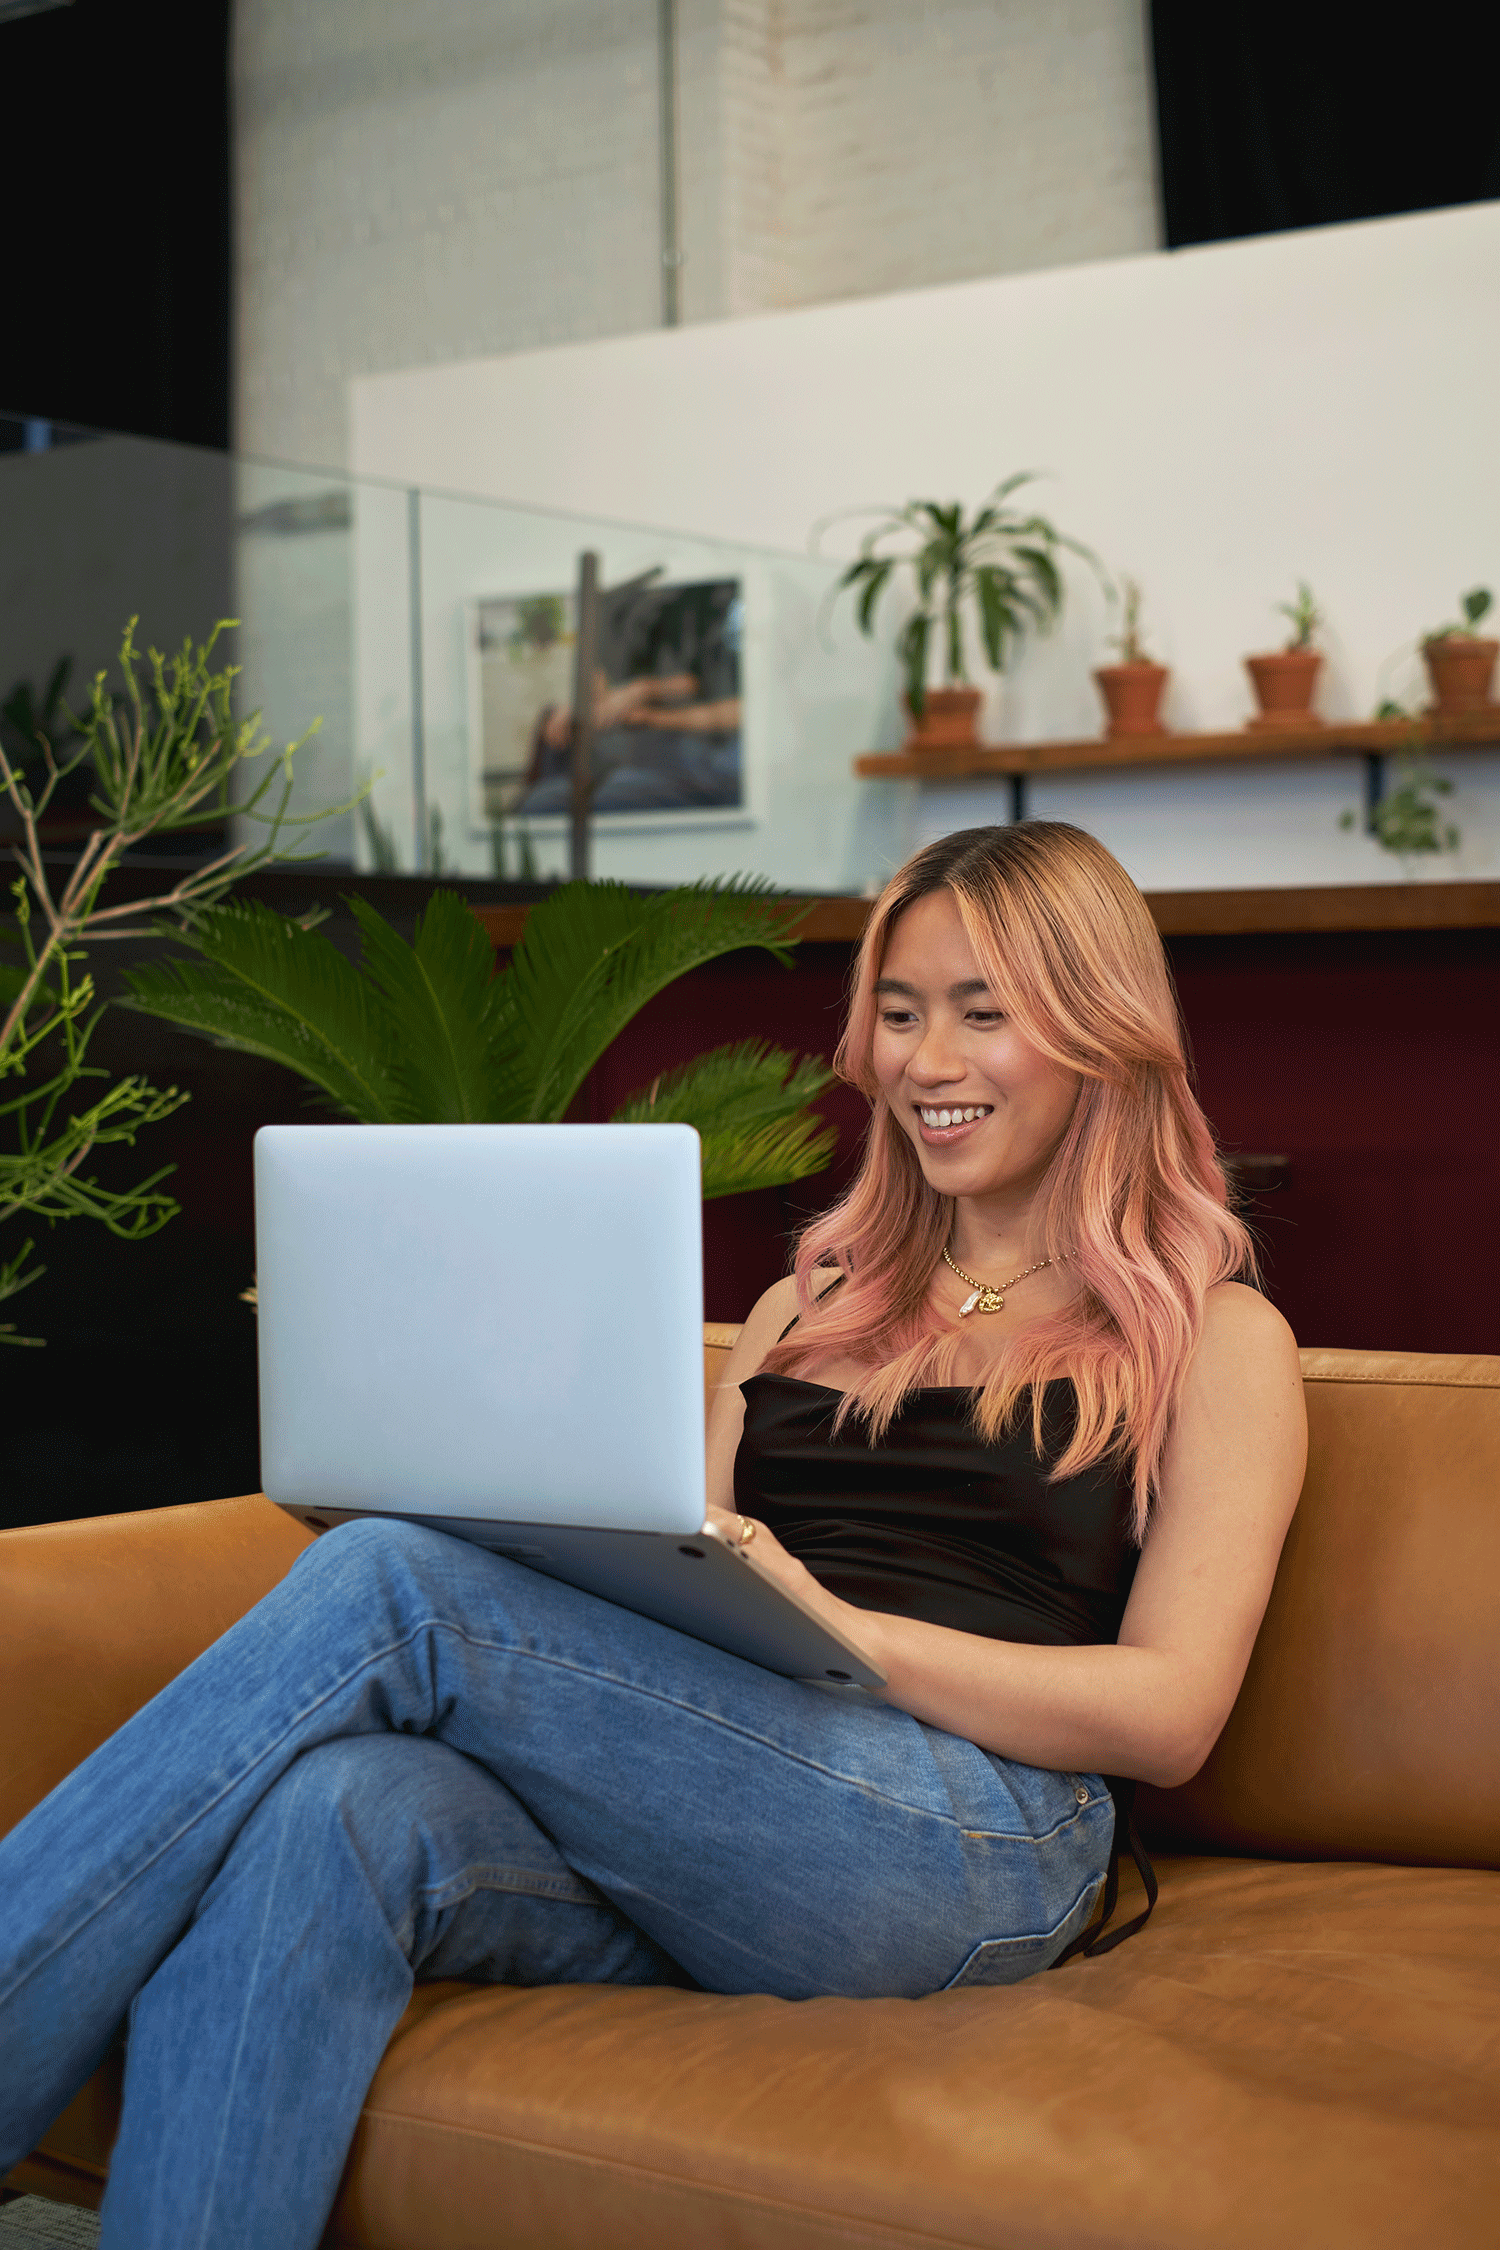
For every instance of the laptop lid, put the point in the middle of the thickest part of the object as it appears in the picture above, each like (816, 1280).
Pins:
(500, 1321)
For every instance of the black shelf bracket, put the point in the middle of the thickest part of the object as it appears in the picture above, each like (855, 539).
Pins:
(1374, 765)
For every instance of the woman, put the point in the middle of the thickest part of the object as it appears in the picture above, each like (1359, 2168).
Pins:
(1012, 1424)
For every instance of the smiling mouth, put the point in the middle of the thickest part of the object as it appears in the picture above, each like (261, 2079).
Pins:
(940, 1120)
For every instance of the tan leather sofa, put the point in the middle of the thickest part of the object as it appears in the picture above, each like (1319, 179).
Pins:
(1303, 2048)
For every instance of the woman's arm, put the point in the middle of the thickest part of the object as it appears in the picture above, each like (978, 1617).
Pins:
(1152, 1706)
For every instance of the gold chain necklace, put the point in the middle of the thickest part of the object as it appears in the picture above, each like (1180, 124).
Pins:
(986, 1297)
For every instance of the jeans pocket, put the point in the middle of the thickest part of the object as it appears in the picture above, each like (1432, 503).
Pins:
(1010, 1959)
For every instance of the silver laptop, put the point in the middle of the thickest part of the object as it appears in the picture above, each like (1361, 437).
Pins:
(497, 1330)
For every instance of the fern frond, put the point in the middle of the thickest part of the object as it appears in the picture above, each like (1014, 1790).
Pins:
(768, 1156)
(749, 1104)
(270, 988)
(730, 1088)
(452, 1018)
(593, 954)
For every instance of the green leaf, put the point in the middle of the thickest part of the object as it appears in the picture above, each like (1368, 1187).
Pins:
(747, 1083)
(593, 954)
(271, 989)
(1045, 571)
(748, 1103)
(995, 616)
(772, 1156)
(911, 648)
(453, 1056)
(875, 585)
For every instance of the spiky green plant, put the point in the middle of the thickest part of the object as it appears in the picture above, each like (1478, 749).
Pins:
(1303, 615)
(163, 754)
(427, 1033)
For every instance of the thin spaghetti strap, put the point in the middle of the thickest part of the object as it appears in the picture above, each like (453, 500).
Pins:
(822, 1293)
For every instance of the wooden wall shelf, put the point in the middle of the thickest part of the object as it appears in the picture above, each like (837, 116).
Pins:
(1280, 911)
(1377, 738)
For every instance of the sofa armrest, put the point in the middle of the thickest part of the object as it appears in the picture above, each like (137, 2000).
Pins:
(97, 1615)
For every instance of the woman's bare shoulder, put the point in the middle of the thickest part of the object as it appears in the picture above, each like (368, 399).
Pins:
(1236, 1314)
(1243, 1344)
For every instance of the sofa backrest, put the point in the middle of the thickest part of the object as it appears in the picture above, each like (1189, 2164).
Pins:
(1368, 1726)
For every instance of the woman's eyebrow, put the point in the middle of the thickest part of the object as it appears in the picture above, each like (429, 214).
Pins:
(965, 991)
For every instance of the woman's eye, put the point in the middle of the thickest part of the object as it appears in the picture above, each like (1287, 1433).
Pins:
(986, 1018)
(897, 1019)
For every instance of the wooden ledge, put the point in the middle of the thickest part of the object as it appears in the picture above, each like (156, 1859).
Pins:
(1278, 910)
(829, 921)
(1380, 738)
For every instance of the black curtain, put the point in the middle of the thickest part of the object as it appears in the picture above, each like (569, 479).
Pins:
(1274, 116)
(118, 236)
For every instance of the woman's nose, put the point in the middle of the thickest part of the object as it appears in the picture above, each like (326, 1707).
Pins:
(935, 1061)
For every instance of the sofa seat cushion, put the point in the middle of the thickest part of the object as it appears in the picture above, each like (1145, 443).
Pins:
(1297, 2052)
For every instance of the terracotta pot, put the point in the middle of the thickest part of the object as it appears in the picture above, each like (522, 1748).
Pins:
(1131, 695)
(947, 721)
(1283, 686)
(1461, 669)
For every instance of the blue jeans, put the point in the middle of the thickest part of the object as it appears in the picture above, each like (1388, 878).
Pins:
(416, 1759)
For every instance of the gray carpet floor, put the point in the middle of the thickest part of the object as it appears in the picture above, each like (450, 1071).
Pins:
(32, 2223)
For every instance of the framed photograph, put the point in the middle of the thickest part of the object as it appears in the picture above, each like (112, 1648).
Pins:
(668, 713)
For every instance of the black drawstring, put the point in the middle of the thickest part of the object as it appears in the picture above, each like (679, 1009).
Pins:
(1097, 1938)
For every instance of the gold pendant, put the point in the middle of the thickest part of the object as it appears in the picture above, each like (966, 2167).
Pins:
(984, 1299)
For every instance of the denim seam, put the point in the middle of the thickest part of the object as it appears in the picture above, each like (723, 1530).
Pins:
(747, 1734)
(566, 1890)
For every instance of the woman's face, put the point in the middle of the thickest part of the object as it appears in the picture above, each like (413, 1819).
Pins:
(983, 1108)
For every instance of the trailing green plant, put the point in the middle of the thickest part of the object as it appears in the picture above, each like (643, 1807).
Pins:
(1001, 560)
(1407, 819)
(164, 754)
(1476, 605)
(1303, 615)
(428, 1033)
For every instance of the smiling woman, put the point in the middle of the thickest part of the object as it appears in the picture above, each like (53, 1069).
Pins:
(1020, 1420)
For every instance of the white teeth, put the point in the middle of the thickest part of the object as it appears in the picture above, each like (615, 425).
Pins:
(938, 1120)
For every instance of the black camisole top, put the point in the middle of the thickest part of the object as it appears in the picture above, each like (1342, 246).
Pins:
(931, 1521)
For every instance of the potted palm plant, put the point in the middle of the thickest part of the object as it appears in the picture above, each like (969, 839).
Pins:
(1001, 563)
(1284, 680)
(1459, 663)
(1132, 689)
(428, 1033)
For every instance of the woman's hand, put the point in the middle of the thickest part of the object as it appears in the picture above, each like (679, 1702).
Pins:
(794, 1577)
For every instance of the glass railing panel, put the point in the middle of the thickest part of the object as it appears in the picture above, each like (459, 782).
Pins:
(432, 637)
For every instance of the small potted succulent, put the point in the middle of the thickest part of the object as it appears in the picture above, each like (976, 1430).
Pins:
(1132, 689)
(1459, 663)
(1284, 680)
(1001, 561)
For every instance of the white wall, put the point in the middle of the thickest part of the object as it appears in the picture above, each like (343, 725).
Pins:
(1218, 422)
(419, 185)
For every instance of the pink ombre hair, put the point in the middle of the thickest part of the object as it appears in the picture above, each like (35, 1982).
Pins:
(1134, 1198)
